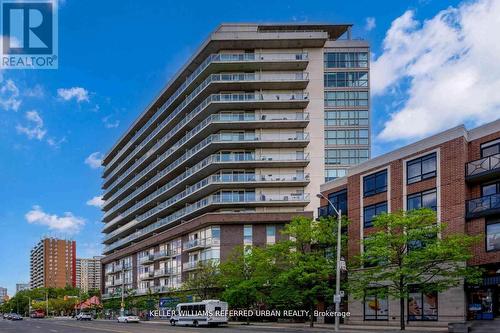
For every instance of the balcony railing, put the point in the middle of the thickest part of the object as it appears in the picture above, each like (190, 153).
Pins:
(204, 183)
(200, 243)
(146, 275)
(483, 206)
(147, 259)
(213, 78)
(230, 57)
(248, 197)
(223, 97)
(483, 166)
(163, 272)
(215, 158)
(210, 119)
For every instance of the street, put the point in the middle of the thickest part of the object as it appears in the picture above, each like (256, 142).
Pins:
(73, 326)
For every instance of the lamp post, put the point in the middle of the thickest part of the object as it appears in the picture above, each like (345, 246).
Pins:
(122, 305)
(336, 297)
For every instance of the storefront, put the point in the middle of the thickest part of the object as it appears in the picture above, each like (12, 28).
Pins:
(483, 301)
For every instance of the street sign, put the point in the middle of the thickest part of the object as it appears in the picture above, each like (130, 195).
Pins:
(341, 293)
(336, 299)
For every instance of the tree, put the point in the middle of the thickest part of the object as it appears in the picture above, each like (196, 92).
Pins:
(306, 264)
(244, 277)
(205, 280)
(411, 249)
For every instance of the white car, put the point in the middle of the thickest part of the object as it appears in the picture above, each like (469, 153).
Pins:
(128, 319)
(83, 316)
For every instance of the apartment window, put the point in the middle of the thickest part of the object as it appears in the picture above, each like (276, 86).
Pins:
(493, 234)
(369, 213)
(375, 183)
(490, 189)
(346, 79)
(421, 168)
(345, 156)
(376, 305)
(426, 199)
(346, 98)
(339, 201)
(490, 148)
(331, 174)
(270, 234)
(346, 118)
(346, 60)
(247, 235)
(422, 306)
(346, 137)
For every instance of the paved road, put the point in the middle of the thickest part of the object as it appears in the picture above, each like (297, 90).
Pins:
(73, 326)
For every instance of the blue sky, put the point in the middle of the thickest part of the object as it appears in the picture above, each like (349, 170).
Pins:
(115, 56)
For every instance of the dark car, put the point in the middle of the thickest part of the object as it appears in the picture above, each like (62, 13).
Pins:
(15, 316)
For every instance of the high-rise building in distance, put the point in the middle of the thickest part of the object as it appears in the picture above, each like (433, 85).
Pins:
(235, 145)
(22, 286)
(53, 264)
(88, 273)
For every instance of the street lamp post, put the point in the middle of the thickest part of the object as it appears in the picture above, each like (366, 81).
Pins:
(122, 305)
(336, 297)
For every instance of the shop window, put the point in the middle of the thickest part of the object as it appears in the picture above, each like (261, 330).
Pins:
(376, 305)
(493, 234)
(421, 305)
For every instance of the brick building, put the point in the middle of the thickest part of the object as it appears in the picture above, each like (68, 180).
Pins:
(53, 264)
(456, 173)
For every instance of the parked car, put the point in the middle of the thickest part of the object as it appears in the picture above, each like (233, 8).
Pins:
(15, 316)
(83, 316)
(37, 314)
(128, 318)
(7, 315)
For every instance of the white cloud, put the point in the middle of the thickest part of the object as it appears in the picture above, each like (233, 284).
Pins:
(53, 142)
(370, 24)
(108, 123)
(94, 160)
(447, 67)
(96, 201)
(35, 128)
(36, 91)
(68, 223)
(9, 96)
(78, 93)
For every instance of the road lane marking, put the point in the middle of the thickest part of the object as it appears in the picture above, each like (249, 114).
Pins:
(94, 328)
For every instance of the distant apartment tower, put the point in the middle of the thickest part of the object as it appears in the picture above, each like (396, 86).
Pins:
(3, 294)
(22, 286)
(53, 264)
(88, 273)
(232, 149)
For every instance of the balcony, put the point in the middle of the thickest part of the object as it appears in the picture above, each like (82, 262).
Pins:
(196, 244)
(165, 254)
(213, 84)
(146, 275)
(202, 188)
(265, 61)
(216, 142)
(163, 272)
(108, 283)
(117, 282)
(484, 169)
(149, 259)
(228, 100)
(203, 168)
(162, 289)
(483, 206)
(209, 203)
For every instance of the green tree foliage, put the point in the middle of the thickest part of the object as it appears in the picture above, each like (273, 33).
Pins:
(205, 280)
(411, 249)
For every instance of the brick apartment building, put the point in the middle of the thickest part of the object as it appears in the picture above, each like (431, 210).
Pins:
(53, 264)
(456, 173)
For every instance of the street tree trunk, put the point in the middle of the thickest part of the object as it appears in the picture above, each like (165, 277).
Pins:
(402, 313)
(311, 324)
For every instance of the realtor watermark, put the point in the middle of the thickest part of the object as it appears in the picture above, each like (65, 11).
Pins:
(29, 31)
(248, 313)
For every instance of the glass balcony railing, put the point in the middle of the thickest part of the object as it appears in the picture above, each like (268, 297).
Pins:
(230, 97)
(200, 242)
(213, 179)
(163, 272)
(221, 118)
(483, 165)
(247, 197)
(202, 145)
(485, 205)
(230, 57)
(215, 158)
(213, 78)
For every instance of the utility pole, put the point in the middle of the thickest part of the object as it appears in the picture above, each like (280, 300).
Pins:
(336, 297)
(122, 307)
(47, 302)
